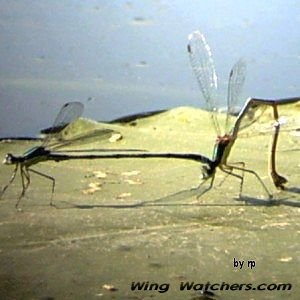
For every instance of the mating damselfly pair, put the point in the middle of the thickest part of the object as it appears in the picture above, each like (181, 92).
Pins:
(204, 69)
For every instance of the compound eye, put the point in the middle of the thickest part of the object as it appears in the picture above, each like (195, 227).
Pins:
(8, 159)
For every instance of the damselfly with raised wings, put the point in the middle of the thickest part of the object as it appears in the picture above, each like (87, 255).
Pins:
(204, 69)
(203, 66)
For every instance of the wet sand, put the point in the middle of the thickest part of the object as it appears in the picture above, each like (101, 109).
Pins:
(107, 230)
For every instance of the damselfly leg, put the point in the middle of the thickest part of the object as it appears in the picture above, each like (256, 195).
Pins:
(25, 178)
(247, 118)
(52, 179)
(12, 178)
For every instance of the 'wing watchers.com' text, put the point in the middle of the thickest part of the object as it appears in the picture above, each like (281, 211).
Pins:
(192, 286)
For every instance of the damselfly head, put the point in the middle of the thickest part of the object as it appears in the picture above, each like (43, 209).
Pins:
(207, 171)
(8, 160)
(225, 139)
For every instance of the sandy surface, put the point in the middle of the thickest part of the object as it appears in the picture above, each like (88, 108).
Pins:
(108, 231)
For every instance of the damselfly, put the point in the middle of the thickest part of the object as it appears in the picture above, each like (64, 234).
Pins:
(56, 138)
(203, 66)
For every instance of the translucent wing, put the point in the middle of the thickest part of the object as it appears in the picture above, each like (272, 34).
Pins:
(203, 66)
(67, 114)
(66, 132)
(257, 116)
(235, 85)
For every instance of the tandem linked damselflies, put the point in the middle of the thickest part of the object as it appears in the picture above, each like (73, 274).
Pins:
(203, 67)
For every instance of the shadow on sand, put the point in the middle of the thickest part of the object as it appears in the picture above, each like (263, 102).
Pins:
(172, 200)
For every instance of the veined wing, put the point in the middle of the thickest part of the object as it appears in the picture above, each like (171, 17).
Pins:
(69, 112)
(59, 136)
(204, 68)
(66, 132)
(235, 84)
